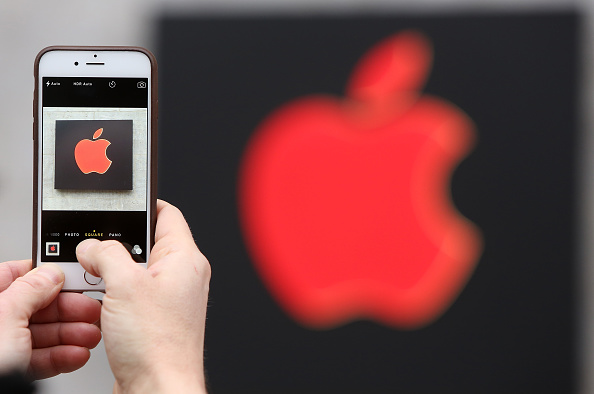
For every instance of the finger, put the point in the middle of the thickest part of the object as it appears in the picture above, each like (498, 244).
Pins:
(32, 292)
(53, 361)
(172, 234)
(69, 307)
(72, 333)
(11, 270)
(171, 222)
(107, 259)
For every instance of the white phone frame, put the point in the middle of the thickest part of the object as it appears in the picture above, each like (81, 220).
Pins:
(126, 63)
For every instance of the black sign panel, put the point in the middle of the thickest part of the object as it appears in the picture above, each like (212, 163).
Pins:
(512, 327)
(88, 162)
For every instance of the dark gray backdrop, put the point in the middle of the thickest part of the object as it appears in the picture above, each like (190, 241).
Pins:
(512, 328)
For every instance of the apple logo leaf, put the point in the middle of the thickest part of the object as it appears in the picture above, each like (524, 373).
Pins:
(98, 133)
(398, 64)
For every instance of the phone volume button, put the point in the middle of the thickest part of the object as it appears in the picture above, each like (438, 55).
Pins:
(34, 113)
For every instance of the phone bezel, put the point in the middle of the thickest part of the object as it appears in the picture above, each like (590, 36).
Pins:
(117, 62)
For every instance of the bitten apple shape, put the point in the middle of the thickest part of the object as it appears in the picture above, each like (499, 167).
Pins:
(91, 156)
(345, 203)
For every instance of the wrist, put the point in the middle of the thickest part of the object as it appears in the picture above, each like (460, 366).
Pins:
(165, 382)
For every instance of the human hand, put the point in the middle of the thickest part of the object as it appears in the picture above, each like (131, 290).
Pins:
(43, 332)
(153, 319)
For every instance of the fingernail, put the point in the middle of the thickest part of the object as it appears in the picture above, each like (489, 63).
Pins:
(51, 271)
(84, 245)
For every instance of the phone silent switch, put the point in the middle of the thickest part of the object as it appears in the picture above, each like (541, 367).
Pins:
(92, 280)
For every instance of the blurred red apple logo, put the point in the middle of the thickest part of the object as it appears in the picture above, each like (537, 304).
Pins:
(345, 202)
(91, 156)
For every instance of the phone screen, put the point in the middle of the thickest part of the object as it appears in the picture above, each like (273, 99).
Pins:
(94, 165)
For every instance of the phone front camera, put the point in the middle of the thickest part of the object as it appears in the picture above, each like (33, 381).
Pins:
(76, 63)
(95, 55)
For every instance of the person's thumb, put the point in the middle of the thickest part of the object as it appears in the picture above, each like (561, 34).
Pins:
(31, 292)
(107, 259)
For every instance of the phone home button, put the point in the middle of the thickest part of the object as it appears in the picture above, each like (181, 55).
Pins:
(92, 280)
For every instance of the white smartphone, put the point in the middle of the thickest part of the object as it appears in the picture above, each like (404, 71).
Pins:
(95, 163)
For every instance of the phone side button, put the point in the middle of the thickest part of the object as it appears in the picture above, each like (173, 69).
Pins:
(92, 280)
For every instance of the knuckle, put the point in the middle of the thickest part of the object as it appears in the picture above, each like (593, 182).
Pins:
(32, 282)
(206, 267)
(35, 285)
(202, 266)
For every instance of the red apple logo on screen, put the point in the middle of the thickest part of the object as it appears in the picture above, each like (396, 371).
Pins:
(345, 203)
(91, 156)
